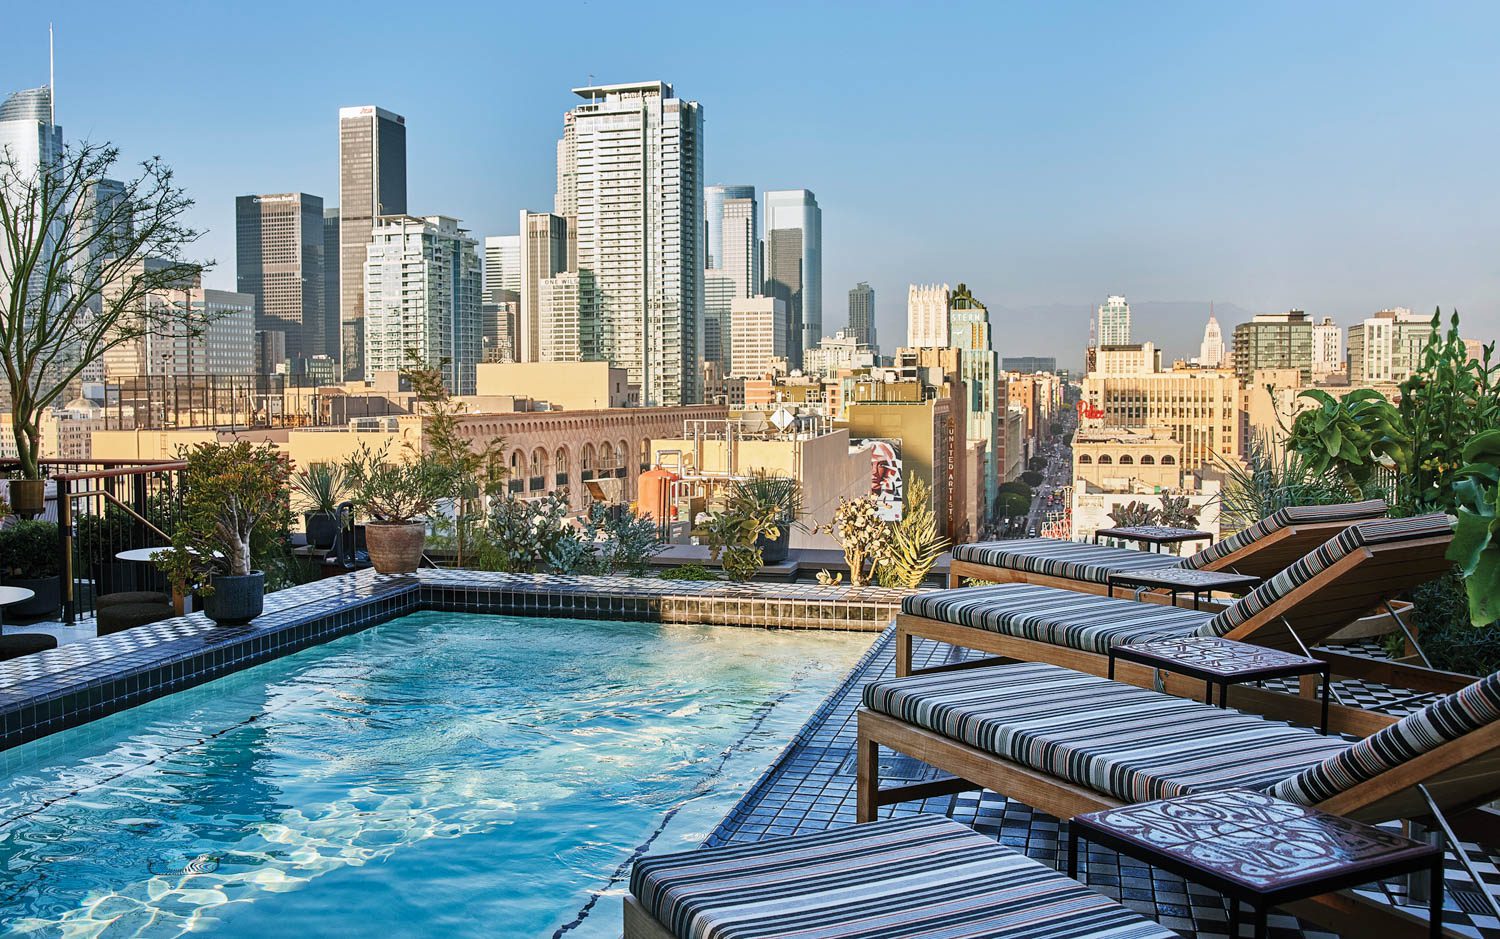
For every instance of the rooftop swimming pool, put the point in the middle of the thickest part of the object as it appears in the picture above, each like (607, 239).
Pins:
(442, 773)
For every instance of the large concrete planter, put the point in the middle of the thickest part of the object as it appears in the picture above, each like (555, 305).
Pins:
(236, 598)
(395, 547)
(46, 599)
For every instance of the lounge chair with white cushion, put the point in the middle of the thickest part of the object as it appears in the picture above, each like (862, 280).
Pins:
(908, 878)
(1365, 565)
(1065, 742)
(1261, 550)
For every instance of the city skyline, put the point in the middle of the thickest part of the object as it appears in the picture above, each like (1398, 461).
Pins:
(1198, 213)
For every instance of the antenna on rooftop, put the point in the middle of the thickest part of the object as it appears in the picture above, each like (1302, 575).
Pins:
(51, 79)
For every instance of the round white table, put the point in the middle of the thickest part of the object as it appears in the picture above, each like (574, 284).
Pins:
(147, 556)
(9, 595)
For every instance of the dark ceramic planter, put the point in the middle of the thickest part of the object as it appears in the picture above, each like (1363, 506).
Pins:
(236, 599)
(322, 528)
(775, 551)
(46, 602)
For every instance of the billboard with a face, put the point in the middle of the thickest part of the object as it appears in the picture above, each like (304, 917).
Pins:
(886, 481)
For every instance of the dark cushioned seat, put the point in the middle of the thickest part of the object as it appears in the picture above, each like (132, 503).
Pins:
(131, 596)
(926, 876)
(15, 645)
(122, 616)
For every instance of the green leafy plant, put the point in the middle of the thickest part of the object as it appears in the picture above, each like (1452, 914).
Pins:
(1177, 512)
(232, 494)
(1271, 478)
(322, 486)
(474, 470)
(403, 489)
(915, 542)
(863, 535)
(1446, 401)
(1134, 514)
(1352, 437)
(688, 572)
(29, 550)
(732, 533)
(611, 539)
(1476, 547)
(520, 534)
(763, 492)
(1441, 617)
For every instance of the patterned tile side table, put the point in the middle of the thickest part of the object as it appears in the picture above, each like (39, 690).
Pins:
(1222, 662)
(1178, 580)
(1258, 850)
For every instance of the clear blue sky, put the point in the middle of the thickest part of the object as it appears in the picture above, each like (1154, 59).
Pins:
(1338, 157)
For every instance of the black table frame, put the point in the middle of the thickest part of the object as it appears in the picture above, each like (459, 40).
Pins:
(1161, 580)
(1261, 902)
(1166, 663)
(1164, 536)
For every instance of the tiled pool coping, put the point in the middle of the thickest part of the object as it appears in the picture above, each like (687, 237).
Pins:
(50, 691)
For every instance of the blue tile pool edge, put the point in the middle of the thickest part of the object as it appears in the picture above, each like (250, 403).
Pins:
(47, 692)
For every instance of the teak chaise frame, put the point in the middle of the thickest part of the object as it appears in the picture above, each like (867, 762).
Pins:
(1347, 589)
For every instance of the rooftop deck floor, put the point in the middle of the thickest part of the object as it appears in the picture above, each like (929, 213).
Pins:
(811, 788)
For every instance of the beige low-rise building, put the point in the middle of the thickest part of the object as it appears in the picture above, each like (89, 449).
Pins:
(1201, 407)
(569, 386)
(1117, 458)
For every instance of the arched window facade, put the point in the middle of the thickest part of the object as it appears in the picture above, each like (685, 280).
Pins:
(1148, 460)
(1168, 460)
(587, 467)
(560, 466)
(1105, 459)
(1127, 460)
(1085, 458)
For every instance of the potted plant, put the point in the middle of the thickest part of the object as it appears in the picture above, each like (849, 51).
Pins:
(29, 559)
(777, 497)
(396, 498)
(322, 486)
(229, 491)
(28, 496)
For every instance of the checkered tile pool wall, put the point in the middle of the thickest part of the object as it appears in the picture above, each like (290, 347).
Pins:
(50, 691)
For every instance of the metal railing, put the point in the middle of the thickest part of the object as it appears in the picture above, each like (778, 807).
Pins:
(106, 508)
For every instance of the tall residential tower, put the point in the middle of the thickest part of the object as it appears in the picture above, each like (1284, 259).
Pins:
(862, 315)
(630, 164)
(1114, 323)
(794, 265)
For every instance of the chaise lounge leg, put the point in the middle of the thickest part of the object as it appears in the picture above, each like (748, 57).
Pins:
(867, 779)
(903, 651)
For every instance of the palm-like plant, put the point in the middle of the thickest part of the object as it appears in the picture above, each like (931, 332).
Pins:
(768, 493)
(915, 543)
(1271, 478)
(322, 485)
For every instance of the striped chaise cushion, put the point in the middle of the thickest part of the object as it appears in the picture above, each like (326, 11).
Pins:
(1320, 559)
(1117, 739)
(1285, 518)
(924, 876)
(1070, 560)
(1447, 718)
(1053, 615)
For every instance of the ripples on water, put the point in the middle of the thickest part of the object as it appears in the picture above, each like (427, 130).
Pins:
(441, 773)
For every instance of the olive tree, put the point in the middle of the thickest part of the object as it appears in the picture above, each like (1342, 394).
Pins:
(86, 265)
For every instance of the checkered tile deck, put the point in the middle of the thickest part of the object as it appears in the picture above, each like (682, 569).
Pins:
(811, 788)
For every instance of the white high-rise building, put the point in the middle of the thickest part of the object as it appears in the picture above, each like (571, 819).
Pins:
(502, 268)
(719, 291)
(196, 331)
(1328, 348)
(30, 140)
(759, 343)
(794, 265)
(543, 246)
(630, 165)
(1114, 322)
(557, 319)
(1388, 346)
(1211, 351)
(927, 316)
(422, 288)
(732, 222)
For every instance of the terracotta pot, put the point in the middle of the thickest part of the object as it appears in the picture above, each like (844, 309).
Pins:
(395, 547)
(28, 497)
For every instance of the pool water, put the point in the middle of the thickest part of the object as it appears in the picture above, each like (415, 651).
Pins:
(440, 774)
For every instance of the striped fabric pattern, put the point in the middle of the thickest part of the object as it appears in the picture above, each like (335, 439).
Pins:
(1447, 718)
(1307, 567)
(1127, 742)
(1053, 557)
(1060, 617)
(924, 877)
(1285, 518)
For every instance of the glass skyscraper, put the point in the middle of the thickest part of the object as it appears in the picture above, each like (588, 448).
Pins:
(794, 264)
(372, 183)
(862, 315)
(279, 255)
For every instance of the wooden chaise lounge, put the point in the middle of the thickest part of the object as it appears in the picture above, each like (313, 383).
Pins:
(1066, 742)
(1365, 565)
(1262, 550)
(925, 876)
